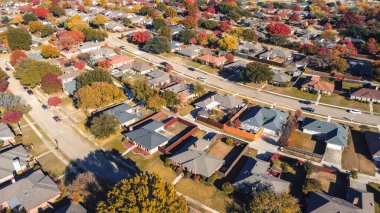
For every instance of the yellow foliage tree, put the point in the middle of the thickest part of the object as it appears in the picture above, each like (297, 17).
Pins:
(228, 43)
(99, 20)
(99, 94)
(49, 51)
(35, 26)
(76, 23)
(17, 20)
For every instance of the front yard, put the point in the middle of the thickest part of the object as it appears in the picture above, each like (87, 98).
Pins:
(52, 165)
(339, 100)
(292, 91)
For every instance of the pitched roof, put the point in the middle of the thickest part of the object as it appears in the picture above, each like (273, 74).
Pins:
(198, 162)
(212, 59)
(254, 172)
(30, 191)
(7, 156)
(141, 66)
(271, 119)
(190, 51)
(280, 78)
(365, 200)
(158, 76)
(120, 112)
(367, 93)
(5, 131)
(335, 133)
(226, 101)
(119, 59)
(70, 87)
(316, 84)
(318, 202)
(177, 88)
(373, 143)
(88, 44)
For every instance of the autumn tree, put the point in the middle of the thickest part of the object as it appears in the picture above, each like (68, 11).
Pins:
(230, 57)
(11, 117)
(76, 23)
(327, 26)
(168, 67)
(16, 57)
(105, 64)
(143, 193)
(50, 83)
(228, 43)
(256, 72)
(12, 102)
(35, 26)
(99, 20)
(185, 36)
(170, 98)
(80, 64)
(279, 28)
(294, 17)
(158, 23)
(104, 125)
(170, 12)
(156, 103)
(141, 90)
(30, 72)
(99, 94)
(329, 35)
(28, 17)
(249, 35)
(269, 201)
(56, 10)
(141, 37)
(279, 39)
(54, 101)
(3, 85)
(340, 65)
(96, 75)
(224, 26)
(19, 39)
(165, 32)
(49, 51)
(41, 12)
(157, 45)
(85, 189)
(190, 22)
(351, 18)
(199, 90)
(311, 185)
(94, 34)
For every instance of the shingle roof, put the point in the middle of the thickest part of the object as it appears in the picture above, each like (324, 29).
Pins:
(146, 136)
(5, 131)
(373, 143)
(226, 101)
(366, 200)
(316, 84)
(271, 119)
(141, 66)
(158, 76)
(120, 112)
(115, 59)
(367, 93)
(190, 51)
(318, 202)
(30, 191)
(335, 133)
(280, 78)
(177, 88)
(8, 155)
(70, 87)
(212, 59)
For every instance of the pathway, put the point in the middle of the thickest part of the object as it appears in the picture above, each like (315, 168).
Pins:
(191, 200)
(318, 99)
(128, 150)
(178, 178)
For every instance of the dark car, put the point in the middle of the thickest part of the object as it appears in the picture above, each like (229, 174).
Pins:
(191, 68)
(308, 109)
(44, 106)
(305, 102)
(57, 119)
(7, 69)
(30, 92)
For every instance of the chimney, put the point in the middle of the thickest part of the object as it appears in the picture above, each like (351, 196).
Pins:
(130, 128)
(355, 201)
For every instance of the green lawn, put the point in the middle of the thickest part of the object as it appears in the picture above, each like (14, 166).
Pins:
(208, 195)
(347, 86)
(185, 110)
(176, 128)
(152, 164)
(339, 100)
(292, 91)
(375, 189)
(31, 139)
(52, 165)
(192, 63)
(114, 142)
(209, 69)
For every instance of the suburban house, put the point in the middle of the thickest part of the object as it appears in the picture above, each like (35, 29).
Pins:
(33, 192)
(224, 102)
(315, 84)
(6, 135)
(250, 47)
(335, 135)
(114, 26)
(276, 55)
(149, 137)
(279, 79)
(192, 51)
(88, 46)
(13, 160)
(183, 91)
(212, 60)
(101, 54)
(255, 172)
(196, 161)
(69, 83)
(235, 67)
(158, 79)
(120, 60)
(365, 94)
(271, 120)
(373, 144)
(124, 113)
(142, 67)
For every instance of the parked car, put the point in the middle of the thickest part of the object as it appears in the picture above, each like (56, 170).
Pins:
(57, 119)
(44, 106)
(122, 47)
(305, 102)
(7, 69)
(30, 92)
(308, 109)
(355, 111)
(191, 68)
(204, 79)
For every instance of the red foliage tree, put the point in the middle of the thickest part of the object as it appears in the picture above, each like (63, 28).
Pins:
(50, 83)
(279, 28)
(211, 10)
(294, 17)
(298, 8)
(68, 39)
(105, 64)
(190, 22)
(371, 48)
(35, 2)
(351, 18)
(141, 37)
(41, 12)
(224, 26)
(81, 7)
(16, 57)
(168, 67)
(230, 57)
(11, 117)
(217, 32)
(193, 41)
(192, 12)
(79, 64)
(54, 101)
(327, 26)
(3, 85)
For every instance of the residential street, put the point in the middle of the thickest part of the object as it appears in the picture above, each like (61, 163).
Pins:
(244, 91)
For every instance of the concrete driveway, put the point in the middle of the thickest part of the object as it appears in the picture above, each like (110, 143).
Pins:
(333, 156)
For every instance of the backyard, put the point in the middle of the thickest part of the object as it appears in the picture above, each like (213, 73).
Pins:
(176, 128)
(375, 189)
(302, 141)
(185, 110)
(219, 149)
(333, 184)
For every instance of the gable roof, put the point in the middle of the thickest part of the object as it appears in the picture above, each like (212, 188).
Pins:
(271, 119)
(277, 77)
(7, 156)
(115, 59)
(141, 66)
(316, 84)
(373, 143)
(190, 51)
(335, 133)
(120, 112)
(367, 93)
(212, 59)
(177, 88)
(30, 191)
(365, 200)
(5, 131)
(320, 202)
(70, 87)
(226, 101)
(157, 77)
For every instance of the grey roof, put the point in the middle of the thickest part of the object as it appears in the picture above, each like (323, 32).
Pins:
(30, 191)
(35, 56)
(190, 51)
(226, 101)
(120, 112)
(8, 155)
(177, 88)
(146, 136)
(5, 131)
(88, 44)
(254, 172)
(318, 202)
(70, 87)
(198, 162)
(71, 208)
(373, 143)
(236, 66)
(334, 133)
(141, 66)
(271, 119)
(157, 77)
(365, 200)
(277, 77)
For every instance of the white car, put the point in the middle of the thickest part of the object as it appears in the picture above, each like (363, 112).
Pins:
(355, 111)
(202, 79)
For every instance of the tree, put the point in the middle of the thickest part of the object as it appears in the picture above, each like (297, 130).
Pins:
(230, 57)
(94, 34)
(278, 39)
(157, 45)
(141, 90)
(354, 174)
(327, 26)
(340, 65)
(105, 64)
(168, 67)
(227, 187)
(193, 41)
(308, 167)
(41, 12)
(12, 102)
(19, 39)
(49, 51)
(228, 43)
(159, 23)
(29, 17)
(141, 37)
(54, 101)
(76, 23)
(57, 11)
(170, 12)
(224, 26)
(85, 189)
(104, 125)
(156, 103)
(269, 201)
(99, 94)
(47, 30)
(279, 28)
(11, 117)
(143, 193)
(249, 35)
(30, 72)
(170, 98)
(294, 17)
(190, 22)
(99, 20)
(35, 26)
(16, 57)
(256, 72)
(126, 21)
(96, 75)
(80, 65)
(3, 85)
(199, 90)
(311, 185)
(329, 35)
(351, 18)
(50, 83)
(185, 36)
(165, 32)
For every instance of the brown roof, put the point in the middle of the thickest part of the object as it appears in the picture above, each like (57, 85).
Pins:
(120, 58)
(212, 59)
(318, 85)
(367, 93)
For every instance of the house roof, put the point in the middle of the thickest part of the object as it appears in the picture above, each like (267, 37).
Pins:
(271, 119)
(88, 44)
(119, 59)
(120, 112)
(367, 93)
(277, 77)
(70, 207)
(316, 84)
(5, 131)
(254, 172)
(318, 202)
(177, 88)
(190, 51)
(236, 66)
(68, 75)
(335, 133)
(7, 156)
(365, 200)
(30, 191)
(226, 101)
(373, 143)
(70, 87)
(157, 77)
(147, 136)
(198, 162)
(141, 66)
(212, 59)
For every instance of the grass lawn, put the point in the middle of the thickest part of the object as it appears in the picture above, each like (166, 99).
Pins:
(114, 142)
(176, 128)
(199, 133)
(31, 139)
(376, 108)
(209, 69)
(185, 110)
(347, 86)
(219, 149)
(152, 164)
(339, 100)
(208, 195)
(356, 156)
(292, 91)
(324, 178)
(51, 164)
(170, 55)
(191, 63)
(375, 189)
(302, 141)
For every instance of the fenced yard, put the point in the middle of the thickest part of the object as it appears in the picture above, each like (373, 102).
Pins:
(219, 149)
(302, 141)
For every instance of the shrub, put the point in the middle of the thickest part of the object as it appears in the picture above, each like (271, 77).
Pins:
(354, 174)
(308, 166)
(179, 170)
(196, 179)
(230, 141)
(168, 162)
(227, 188)
(188, 174)
(311, 185)
(212, 179)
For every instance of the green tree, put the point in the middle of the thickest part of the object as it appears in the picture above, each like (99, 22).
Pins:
(308, 167)
(227, 187)
(170, 98)
(104, 125)
(30, 72)
(156, 103)
(94, 34)
(165, 32)
(278, 39)
(199, 90)
(185, 36)
(157, 45)
(354, 174)
(99, 94)
(56, 10)
(256, 72)
(249, 35)
(141, 90)
(271, 202)
(143, 193)
(126, 21)
(19, 39)
(29, 17)
(96, 75)
(340, 65)
(311, 185)
(99, 20)
(47, 30)
(159, 23)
